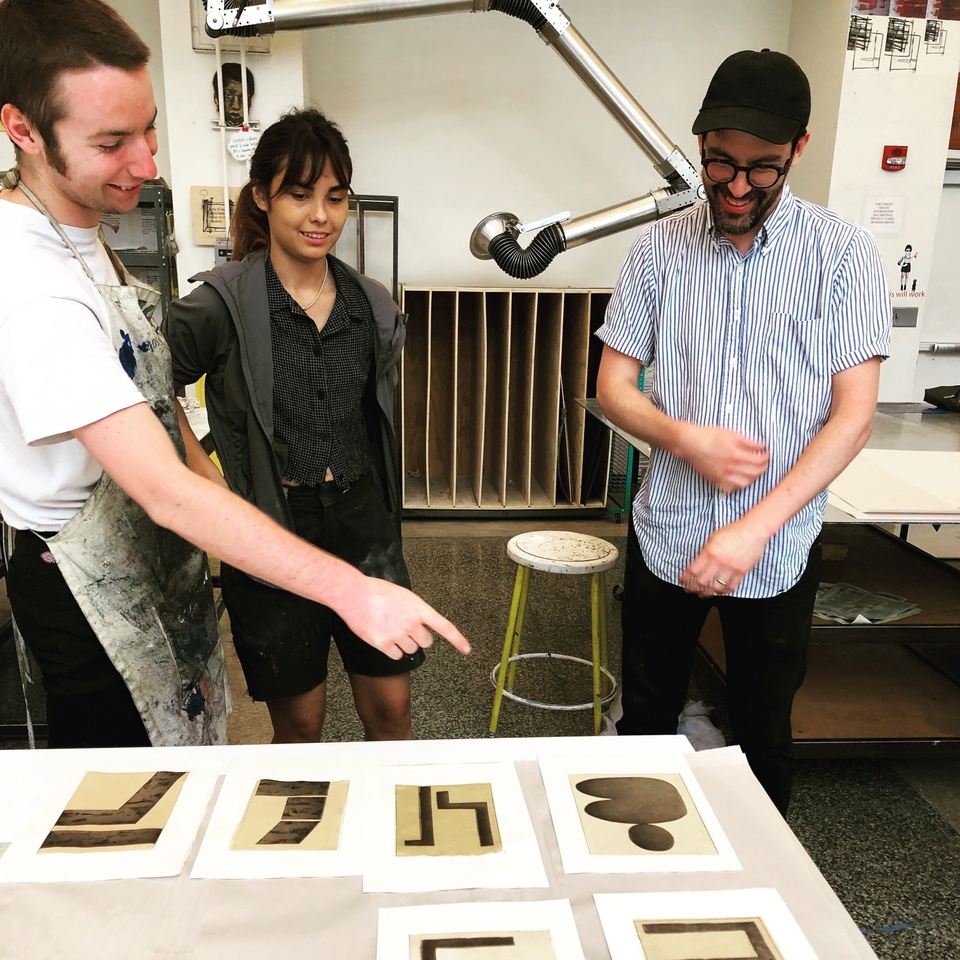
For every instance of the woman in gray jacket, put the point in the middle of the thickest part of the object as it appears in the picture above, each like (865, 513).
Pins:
(300, 353)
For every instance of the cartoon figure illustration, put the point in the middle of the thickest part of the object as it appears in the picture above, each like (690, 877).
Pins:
(904, 264)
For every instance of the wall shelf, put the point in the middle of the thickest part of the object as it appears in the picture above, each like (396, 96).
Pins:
(489, 379)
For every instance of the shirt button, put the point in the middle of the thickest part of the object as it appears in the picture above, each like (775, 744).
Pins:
(729, 408)
(318, 350)
(320, 393)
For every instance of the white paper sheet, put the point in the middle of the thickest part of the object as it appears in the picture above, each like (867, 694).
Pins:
(397, 925)
(517, 864)
(689, 835)
(896, 484)
(218, 857)
(23, 861)
(620, 911)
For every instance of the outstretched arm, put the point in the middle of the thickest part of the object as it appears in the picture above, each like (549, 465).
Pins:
(134, 449)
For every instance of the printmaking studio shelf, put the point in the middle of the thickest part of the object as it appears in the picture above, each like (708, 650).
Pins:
(489, 380)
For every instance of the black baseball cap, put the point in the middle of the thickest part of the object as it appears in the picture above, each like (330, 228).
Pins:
(760, 92)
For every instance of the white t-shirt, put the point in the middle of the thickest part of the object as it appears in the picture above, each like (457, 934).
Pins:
(58, 368)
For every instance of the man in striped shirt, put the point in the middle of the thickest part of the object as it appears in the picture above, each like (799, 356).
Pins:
(762, 320)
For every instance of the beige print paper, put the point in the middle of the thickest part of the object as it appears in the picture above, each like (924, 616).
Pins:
(494, 945)
(727, 939)
(747, 924)
(639, 816)
(305, 814)
(121, 821)
(447, 820)
(115, 811)
(287, 817)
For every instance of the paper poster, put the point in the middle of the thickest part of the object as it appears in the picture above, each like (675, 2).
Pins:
(111, 824)
(283, 819)
(631, 815)
(537, 930)
(447, 827)
(701, 925)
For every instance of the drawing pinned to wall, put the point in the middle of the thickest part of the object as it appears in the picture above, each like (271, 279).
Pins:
(203, 42)
(536, 930)
(870, 8)
(935, 38)
(209, 220)
(424, 828)
(943, 10)
(908, 284)
(110, 824)
(231, 78)
(643, 815)
(866, 44)
(901, 44)
(447, 828)
(706, 925)
(283, 819)
(917, 9)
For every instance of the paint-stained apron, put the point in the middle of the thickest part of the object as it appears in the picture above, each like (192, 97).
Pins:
(145, 591)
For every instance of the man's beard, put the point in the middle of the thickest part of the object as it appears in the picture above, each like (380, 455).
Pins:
(729, 225)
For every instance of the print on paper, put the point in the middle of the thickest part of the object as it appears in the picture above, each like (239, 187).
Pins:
(640, 815)
(293, 814)
(452, 820)
(727, 939)
(512, 945)
(115, 811)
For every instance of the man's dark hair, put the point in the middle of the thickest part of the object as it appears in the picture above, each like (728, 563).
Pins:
(231, 71)
(40, 39)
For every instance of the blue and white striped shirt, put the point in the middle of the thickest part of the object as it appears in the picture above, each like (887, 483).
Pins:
(749, 343)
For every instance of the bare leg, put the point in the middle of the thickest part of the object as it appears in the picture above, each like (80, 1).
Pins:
(299, 719)
(383, 705)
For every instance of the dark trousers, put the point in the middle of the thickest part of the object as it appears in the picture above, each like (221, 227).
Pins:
(88, 704)
(765, 641)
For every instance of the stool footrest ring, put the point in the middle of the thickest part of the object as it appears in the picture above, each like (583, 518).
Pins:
(605, 701)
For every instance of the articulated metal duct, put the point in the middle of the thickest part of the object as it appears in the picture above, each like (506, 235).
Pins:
(496, 237)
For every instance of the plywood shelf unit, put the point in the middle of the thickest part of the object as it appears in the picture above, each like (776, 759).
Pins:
(489, 379)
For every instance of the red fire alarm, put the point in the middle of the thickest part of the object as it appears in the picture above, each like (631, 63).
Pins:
(894, 158)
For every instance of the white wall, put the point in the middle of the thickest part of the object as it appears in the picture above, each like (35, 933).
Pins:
(818, 34)
(463, 115)
(197, 154)
(912, 107)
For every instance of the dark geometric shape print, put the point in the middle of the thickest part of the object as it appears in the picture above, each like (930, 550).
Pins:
(639, 801)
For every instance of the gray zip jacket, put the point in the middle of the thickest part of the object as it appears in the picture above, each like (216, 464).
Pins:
(222, 329)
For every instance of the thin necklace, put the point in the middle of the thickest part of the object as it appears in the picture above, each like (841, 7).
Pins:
(322, 285)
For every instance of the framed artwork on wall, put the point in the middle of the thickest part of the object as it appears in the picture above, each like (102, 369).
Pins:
(203, 42)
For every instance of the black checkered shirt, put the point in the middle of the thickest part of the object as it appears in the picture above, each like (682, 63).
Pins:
(319, 378)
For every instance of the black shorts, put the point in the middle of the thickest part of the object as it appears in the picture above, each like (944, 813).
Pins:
(283, 640)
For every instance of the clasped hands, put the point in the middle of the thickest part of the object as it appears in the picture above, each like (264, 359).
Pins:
(730, 461)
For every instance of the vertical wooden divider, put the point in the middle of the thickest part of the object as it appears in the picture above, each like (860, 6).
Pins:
(545, 415)
(443, 394)
(471, 394)
(573, 374)
(498, 305)
(414, 397)
(520, 423)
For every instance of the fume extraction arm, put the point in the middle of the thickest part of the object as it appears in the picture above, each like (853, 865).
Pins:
(496, 237)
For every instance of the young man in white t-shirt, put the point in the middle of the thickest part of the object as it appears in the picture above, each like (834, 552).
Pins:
(77, 103)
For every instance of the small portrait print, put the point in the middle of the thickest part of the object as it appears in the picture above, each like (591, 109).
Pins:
(231, 79)
(904, 263)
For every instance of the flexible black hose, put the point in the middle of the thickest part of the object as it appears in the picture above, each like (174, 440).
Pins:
(522, 264)
(522, 10)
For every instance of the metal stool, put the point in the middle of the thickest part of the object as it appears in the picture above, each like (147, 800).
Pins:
(557, 551)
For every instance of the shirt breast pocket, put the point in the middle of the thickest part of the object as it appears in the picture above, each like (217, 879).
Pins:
(797, 347)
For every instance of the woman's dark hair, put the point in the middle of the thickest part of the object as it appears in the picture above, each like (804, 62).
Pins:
(297, 147)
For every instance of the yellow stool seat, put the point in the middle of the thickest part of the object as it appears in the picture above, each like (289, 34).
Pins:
(562, 552)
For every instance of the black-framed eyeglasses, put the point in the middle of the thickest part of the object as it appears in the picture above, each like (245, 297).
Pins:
(763, 176)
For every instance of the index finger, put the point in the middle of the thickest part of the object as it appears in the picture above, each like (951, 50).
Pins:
(447, 630)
